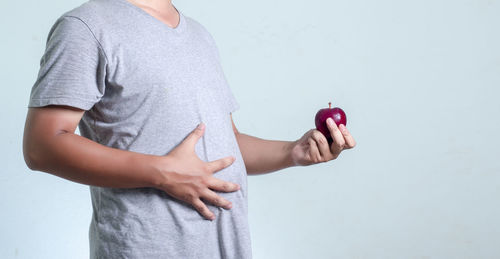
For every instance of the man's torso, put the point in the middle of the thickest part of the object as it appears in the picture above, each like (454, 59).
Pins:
(160, 83)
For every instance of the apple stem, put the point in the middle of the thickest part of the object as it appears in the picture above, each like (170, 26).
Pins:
(330, 105)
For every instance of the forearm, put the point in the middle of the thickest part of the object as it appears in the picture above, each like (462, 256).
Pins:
(81, 160)
(264, 156)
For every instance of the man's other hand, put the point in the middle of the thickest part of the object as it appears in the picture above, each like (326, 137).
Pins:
(313, 147)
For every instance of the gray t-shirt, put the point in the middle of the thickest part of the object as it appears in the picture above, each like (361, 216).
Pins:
(145, 87)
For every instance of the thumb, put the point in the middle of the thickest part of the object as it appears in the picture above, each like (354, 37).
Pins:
(195, 135)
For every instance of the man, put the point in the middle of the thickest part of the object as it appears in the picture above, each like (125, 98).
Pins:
(164, 161)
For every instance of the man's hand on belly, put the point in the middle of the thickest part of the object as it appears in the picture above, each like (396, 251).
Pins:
(187, 178)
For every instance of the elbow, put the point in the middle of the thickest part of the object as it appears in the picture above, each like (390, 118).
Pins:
(31, 156)
(31, 165)
(31, 160)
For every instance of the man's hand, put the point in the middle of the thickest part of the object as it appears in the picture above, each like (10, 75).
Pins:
(313, 147)
(190, 179)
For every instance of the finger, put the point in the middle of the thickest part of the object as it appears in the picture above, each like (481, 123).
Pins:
(216, 200)
(203, 209)
(338, 138)
(313, 151)
(322, 143)
(221, 185)
(195, 135)
(349, 140)
(220, 164)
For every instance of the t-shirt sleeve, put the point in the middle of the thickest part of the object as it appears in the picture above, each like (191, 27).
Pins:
(72, 69)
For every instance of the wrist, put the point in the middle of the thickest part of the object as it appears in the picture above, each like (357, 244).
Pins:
(288, 150)
(159, 175)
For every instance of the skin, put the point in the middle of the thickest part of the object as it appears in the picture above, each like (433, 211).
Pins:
(51, 145)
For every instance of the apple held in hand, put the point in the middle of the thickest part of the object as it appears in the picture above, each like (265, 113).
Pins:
(338, 116)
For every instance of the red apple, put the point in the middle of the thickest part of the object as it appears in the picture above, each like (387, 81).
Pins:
(338, 116)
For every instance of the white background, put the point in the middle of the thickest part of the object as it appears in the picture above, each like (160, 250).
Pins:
(419, 81)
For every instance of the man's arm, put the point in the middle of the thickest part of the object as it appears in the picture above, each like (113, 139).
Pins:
(265, 156)
(50, 145)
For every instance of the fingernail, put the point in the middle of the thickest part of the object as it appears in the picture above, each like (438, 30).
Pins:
(342, 127)
(329, 121)
(200, 126)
